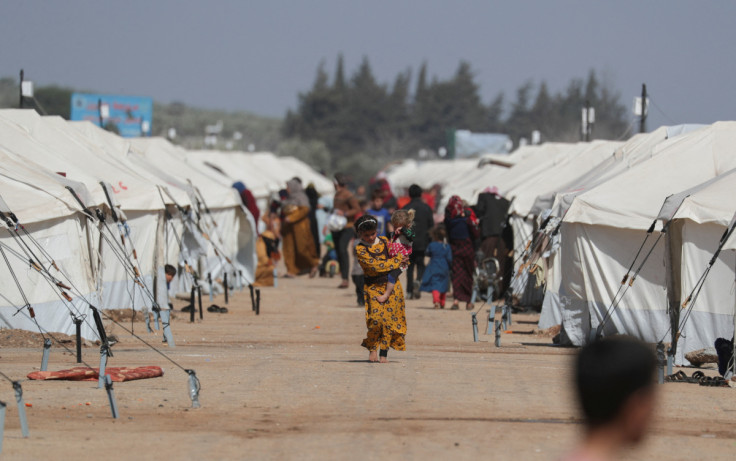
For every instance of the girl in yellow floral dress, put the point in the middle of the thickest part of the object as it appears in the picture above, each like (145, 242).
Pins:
(386, 321)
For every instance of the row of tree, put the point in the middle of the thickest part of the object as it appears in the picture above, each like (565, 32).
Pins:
(359, 124)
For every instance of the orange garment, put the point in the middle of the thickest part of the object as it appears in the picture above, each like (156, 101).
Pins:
(299, 252)
(265, 266)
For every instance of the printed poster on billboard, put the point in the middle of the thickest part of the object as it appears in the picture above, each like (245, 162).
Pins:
(131, 115)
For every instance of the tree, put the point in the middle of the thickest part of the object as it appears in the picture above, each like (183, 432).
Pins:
(519, 124)
(495, 115)
(312, 152)
(542, 115)
(55, 100)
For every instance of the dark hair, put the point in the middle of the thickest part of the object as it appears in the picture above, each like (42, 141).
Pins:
(366, 223)
(170, 270)
(608, 372)
(438, 233)
(341, 179)
(377, 194)
(415, 191)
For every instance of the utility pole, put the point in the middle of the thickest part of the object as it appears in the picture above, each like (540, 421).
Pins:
(643, 120)
(588, 119)
(20, 89)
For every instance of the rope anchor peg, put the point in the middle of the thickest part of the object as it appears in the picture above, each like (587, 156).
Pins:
(46, 352)
(111, 397)
(3, 405)
(194, 388)
(21, 408)
(474, 317)
(661, 362)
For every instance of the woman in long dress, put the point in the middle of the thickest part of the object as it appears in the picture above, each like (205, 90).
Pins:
(462, 230)
(300, 254)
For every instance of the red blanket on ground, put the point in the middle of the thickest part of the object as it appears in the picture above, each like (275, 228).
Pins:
(117, 374)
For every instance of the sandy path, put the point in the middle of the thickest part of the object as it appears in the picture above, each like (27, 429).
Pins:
(293, 383)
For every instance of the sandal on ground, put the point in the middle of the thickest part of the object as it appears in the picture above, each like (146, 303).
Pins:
(213, 308)
(344, 284)
(436, 305)
(313, 272)
(679, 377)
(713, 381)
(455, 307)
(469, 307)
(697, 376)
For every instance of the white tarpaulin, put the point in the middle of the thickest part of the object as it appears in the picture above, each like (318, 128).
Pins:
(605, 226)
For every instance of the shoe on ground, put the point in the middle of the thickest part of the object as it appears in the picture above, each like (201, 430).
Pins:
(436, 305)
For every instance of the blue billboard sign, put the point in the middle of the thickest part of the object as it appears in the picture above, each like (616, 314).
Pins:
(132, 115)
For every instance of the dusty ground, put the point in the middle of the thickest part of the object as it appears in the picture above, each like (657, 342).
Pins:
(293, 383)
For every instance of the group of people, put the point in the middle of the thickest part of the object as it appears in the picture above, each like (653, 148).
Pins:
(408, 231)
(613, 377)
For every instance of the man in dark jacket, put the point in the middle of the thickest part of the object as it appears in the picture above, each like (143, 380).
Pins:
(492, 210)
(423, 222)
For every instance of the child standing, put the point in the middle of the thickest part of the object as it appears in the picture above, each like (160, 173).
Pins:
(399, 244)
(436, 277)
(381, 214)
(386, 322)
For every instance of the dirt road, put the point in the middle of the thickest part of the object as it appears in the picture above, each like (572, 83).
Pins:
(293, 383)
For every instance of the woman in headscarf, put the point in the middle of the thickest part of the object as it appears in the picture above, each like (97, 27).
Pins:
(462, 230)
(300, 254)
(313, 197)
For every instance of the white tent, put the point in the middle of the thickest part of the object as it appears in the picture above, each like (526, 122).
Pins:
(636, 150)
(53, 218)
(119, 148)
(222, 217)
(605, 226)
(697, 219)
(51, 142)
(427, 173)
(527, 188)
(258, 171)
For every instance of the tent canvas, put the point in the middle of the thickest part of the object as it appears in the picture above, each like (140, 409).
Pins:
(605, 226)
(47, 211)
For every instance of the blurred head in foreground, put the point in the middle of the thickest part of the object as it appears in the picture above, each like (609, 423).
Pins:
(614, 379)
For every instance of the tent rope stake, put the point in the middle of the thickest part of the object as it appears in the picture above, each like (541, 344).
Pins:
(21, 408)
(194, 388)
(3, 406)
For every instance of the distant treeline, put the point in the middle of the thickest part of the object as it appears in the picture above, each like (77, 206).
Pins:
(359, 124)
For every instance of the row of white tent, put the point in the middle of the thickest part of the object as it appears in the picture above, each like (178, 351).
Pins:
(603, 197)
(90, 218)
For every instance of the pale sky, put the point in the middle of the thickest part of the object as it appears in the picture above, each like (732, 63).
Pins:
(258, 55)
